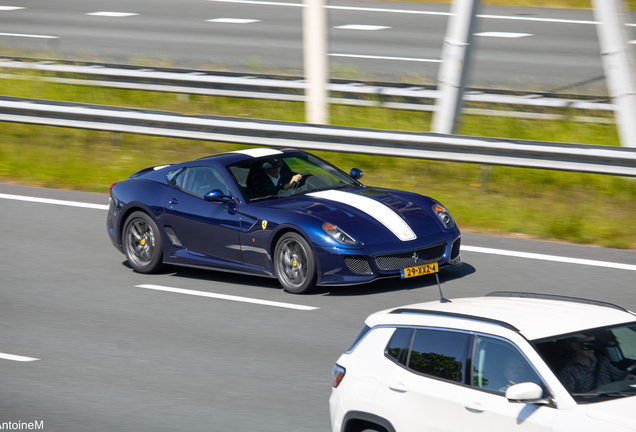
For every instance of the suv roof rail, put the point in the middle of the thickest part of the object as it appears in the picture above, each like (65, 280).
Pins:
(456, 315)
(557, 297)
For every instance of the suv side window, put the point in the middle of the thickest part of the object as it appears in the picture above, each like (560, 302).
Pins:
(499, 364)
(400, 344)
(440, 354)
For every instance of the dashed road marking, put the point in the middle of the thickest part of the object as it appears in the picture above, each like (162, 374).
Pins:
(233, 20)
(228, 297)
(362, 27)
(18, 358)
(504, 34)
(112, 14)
(11, 8)
(29, 36)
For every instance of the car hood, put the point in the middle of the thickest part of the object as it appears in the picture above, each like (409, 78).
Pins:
(619, 412)
(372, 216)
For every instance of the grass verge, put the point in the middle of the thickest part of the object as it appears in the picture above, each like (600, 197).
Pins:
(578, 208)
(554, 4)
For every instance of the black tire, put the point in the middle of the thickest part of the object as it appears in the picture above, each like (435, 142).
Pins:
(295, 264)
(142, 243)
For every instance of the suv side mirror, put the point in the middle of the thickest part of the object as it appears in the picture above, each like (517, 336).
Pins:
(528, 392)
(356, 173)
(217, 196)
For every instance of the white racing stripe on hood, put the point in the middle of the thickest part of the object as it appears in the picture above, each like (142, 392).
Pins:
(380, 212)
(258, 152)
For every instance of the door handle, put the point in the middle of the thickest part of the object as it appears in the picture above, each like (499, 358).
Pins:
(399, 387)
(174, 201)
(474, 407)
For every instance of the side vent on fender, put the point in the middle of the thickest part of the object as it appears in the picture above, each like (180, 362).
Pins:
(173, 237)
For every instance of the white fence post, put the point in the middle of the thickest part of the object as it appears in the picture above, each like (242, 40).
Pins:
(315, 59)
(618, 65)
(451, 79)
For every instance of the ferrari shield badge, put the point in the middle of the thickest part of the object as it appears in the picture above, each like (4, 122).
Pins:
(264, 224)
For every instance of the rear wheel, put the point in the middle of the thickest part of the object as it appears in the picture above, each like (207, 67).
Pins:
(142, 243)
(295, 264)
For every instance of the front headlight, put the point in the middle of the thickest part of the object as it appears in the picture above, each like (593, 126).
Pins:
(338, 235)
(444, 216)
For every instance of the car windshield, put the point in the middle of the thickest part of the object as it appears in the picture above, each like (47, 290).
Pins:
(595, 364)
(285, 175)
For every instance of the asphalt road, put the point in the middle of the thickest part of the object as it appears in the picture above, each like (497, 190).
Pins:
(113, 356)
(529, 50)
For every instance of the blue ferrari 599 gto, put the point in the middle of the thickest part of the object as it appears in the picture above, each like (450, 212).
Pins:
(282, 214)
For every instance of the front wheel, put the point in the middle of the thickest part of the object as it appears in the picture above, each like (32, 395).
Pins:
(142, 243)
(295, 264)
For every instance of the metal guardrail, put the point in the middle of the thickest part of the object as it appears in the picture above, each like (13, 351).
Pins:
(490, 151)
(388, 95)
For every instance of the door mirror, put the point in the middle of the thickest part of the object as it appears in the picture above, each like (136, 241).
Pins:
(525, 393)
(217, 196)
(356, 173)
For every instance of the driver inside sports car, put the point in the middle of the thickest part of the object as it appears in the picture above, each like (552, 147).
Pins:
(270, 178)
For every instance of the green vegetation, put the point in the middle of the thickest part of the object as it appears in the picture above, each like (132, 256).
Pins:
(571, 207)
(556, 4)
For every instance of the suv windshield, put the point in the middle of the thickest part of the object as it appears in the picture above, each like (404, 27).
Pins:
(595, 364)
(285, 175)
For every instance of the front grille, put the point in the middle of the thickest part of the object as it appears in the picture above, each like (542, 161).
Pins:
(455, 248)
(406, 259)
(359, 265)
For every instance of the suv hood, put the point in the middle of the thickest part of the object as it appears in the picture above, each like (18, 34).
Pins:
(619, 412)
(373, 216)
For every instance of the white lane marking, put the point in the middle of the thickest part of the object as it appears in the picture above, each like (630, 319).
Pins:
(385, 58)
(538, 19)
(361, 27)
(549, 258)
(466, 248)
(54, 201)
(377, 210)
(112, 14)
(29, 36)
(633, 42)
(17, 358)
(233, 20)
(258, 152)
(228, 297)
(403, 11)
(504, 34)
(10, 8)
(260, 3)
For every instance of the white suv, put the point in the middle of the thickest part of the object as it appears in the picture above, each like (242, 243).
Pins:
(503, 362)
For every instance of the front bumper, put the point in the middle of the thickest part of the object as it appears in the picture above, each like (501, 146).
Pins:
(339, 266)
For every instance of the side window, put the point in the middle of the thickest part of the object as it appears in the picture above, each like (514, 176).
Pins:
(499, 364)
(398, 347)
(441, 354)
(173, 176)
(201, 180)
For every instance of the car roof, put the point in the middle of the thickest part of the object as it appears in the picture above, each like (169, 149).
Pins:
(251, 153)
(535, 316)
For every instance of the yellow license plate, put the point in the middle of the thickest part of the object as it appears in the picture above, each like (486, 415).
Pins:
(419, 270)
